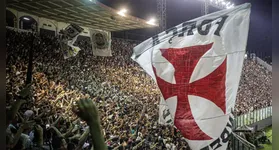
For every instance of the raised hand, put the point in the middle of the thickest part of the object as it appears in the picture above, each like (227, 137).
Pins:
(26, 91)
(39, 137)
(87, 111)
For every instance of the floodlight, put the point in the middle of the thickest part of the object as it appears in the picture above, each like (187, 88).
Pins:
(122, 12)
(151, 21)
(230, 6)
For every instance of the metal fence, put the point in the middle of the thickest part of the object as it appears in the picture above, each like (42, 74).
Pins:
(238, 143)
(252, 117)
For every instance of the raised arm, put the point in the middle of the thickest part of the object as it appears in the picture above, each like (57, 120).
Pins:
(13, 111)
(82, 139)
(89, 113)
(24, 93)
(60, 136)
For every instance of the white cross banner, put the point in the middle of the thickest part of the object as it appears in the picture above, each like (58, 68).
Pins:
(197, 67)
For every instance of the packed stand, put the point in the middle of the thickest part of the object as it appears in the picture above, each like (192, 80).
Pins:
(127, 99)
(255, 88)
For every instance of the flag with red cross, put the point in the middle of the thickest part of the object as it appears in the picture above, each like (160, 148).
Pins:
(197, 67)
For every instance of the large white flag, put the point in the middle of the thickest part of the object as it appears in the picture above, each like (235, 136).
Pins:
(101, 42)
(197, 67)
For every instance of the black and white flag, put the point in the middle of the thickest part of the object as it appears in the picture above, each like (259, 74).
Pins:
(72, 31)
(69, 37)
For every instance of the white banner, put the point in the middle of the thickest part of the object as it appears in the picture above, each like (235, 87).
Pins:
(197, 67)
(101, 42)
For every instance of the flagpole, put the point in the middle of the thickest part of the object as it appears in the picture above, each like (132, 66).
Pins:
(30, 62)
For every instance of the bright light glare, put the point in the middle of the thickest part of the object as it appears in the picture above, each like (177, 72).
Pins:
(122, 12)
(222, 3)
(230, 6)
(25, 18)
(151, 21)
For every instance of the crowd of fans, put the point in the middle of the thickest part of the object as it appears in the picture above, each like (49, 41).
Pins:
(255, 88)
(126, 98)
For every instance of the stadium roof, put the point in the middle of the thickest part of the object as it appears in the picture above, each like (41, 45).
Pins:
(88, 13)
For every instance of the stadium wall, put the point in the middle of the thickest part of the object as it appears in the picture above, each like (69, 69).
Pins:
(44, 23)
(262, 124)
(263, 63)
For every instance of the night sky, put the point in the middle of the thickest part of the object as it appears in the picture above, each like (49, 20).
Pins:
(179, 11)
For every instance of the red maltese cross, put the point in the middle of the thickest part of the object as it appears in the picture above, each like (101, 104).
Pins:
(210, 87)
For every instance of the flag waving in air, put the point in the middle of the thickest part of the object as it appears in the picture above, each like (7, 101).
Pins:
(197, 67)
(69, 37)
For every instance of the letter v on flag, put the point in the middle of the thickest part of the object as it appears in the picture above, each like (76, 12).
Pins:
(197, 67)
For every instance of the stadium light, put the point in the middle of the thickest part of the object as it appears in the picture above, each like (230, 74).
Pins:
(220, 4)
(230, 6)
(122, 12)
(151, 21)
(25, 18)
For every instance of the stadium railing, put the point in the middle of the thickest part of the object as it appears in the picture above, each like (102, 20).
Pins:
(238, 143)
(253, 117)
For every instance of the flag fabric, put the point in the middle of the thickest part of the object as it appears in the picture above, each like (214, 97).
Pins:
(72, 31)
(197, 67)
(71, 51)
(101, 42)
(165, 118)
(68, 48)
(69, 37)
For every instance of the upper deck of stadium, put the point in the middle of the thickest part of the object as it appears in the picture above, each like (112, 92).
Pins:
(87, 13)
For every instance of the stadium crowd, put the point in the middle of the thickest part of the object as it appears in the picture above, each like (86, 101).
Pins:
(126, 98)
